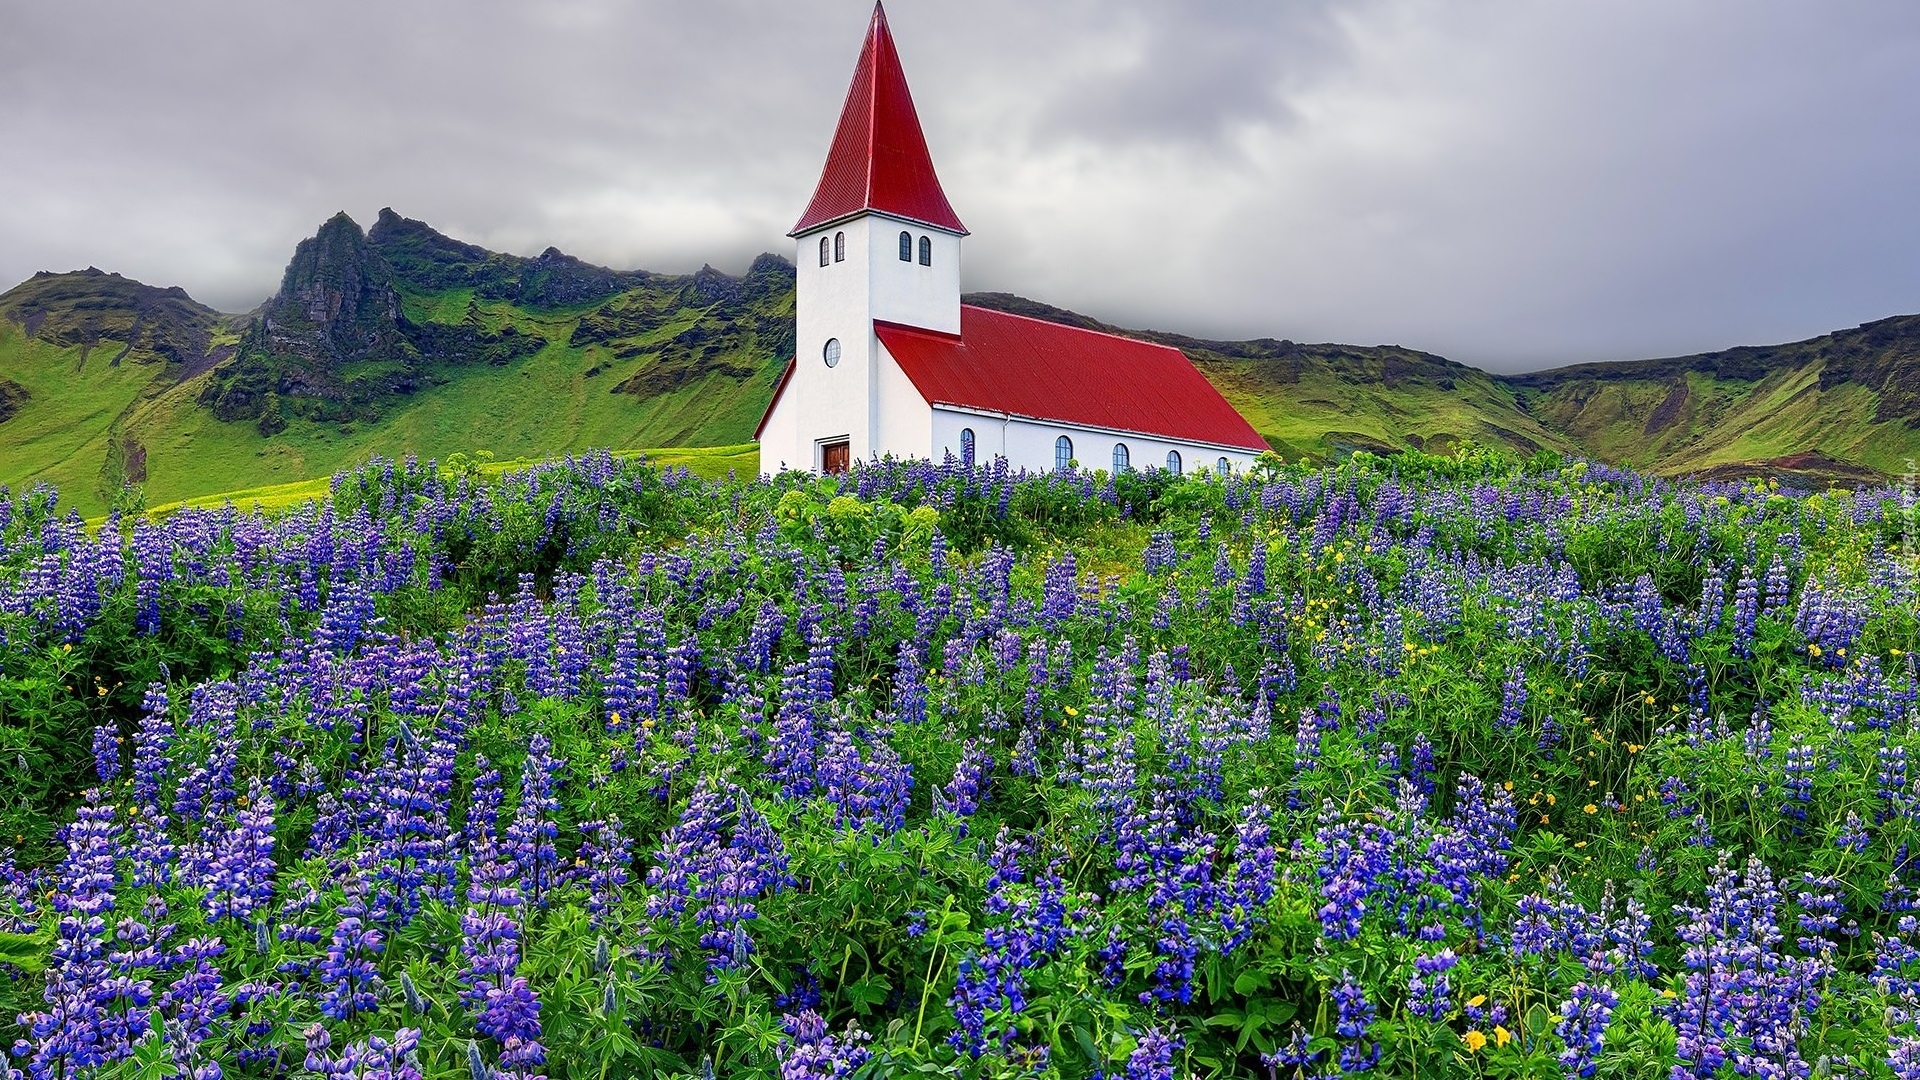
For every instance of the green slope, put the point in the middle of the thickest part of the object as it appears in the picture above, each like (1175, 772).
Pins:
(598, 359)
(1851, 397)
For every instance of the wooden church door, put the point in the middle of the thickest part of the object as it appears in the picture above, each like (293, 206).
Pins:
(834, 458)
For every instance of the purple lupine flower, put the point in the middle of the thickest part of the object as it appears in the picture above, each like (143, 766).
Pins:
(1420, 764)
(809, 1052)
(1583, 1027)
(1852, 834)
(482, 830)
(1429, 989)
(1799, 766)
(349, 972)
(1513, 698)
(1821, 904)
(1779, 584)
(866, 781)
(1292, 1058)
(530, 837)
(1903, 1056)
(607, 854)
(95, 1012)
(1061, 593)
(1353, 1020)
(1891, 782)
(152, 738)
(1152, 1057)
(503, 1004)
(240, 877)
(1746, 613)
(1112, 958)
(712, 865)
(1250, 884)
(1739, 987)
(375, 1059)
(106, 751)
(196, 1000)
(971, 776)
(909, 686)
(1029, 924)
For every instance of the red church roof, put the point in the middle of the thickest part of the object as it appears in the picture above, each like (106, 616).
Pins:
(879, 159)
(1027, 367)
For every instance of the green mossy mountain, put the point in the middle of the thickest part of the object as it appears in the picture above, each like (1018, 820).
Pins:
(399, 338)
(1844, 404)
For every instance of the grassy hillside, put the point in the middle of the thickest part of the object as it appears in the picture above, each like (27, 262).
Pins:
(600, 360)
(1850, 397)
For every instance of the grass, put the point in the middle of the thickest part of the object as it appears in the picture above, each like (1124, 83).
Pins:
(711, 462)
(1314, 416)
(1729, 421)
(61, 435)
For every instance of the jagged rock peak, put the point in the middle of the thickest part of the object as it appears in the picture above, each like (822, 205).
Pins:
(402, 238)
(769, 263)
(337, 300)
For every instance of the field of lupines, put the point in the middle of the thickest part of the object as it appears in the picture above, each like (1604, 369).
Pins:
(1435, 767)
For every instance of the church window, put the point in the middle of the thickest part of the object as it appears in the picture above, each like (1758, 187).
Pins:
(926, 251)
(966, 445)
(839, 246)
(1173, 462)
(906, 246)
(1122, 460)
(823, 251)
(1223, 466)
(1063, 453)
(831, 353)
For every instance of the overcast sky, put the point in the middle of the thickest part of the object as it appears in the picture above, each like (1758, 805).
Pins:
(1511, 183)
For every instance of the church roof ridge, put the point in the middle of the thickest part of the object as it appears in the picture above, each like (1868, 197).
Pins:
(879, 159)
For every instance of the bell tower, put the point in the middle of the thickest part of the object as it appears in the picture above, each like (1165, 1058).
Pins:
(877, 242)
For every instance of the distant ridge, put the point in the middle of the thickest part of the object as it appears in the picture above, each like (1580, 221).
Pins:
(400, 338)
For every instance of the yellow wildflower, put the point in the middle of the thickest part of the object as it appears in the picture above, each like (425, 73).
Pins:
(1501, 1036)
(1474, 1041)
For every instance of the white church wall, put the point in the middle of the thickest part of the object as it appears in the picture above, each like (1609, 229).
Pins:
(906, 420)
(831, 303)
(906, 292)
(1028, 444)
(778, 438)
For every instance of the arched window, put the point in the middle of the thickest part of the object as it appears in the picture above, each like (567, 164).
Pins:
(1122, 460)
(926, 251)
(966, 445)
(1173, 462)
(839, 246)
(1063, 453)
(1223, 466)
(906, 246)
(823, 251)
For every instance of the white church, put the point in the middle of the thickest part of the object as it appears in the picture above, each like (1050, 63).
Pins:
(890, 362)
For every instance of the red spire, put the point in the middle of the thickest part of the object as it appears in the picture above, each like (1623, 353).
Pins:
(879, 159)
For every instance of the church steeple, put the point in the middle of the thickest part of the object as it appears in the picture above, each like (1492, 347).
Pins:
(879, 160)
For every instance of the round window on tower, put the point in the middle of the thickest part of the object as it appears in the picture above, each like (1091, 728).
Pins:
(831, 354)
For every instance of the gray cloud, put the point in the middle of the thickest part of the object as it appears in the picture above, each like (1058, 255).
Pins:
(1511, 183)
